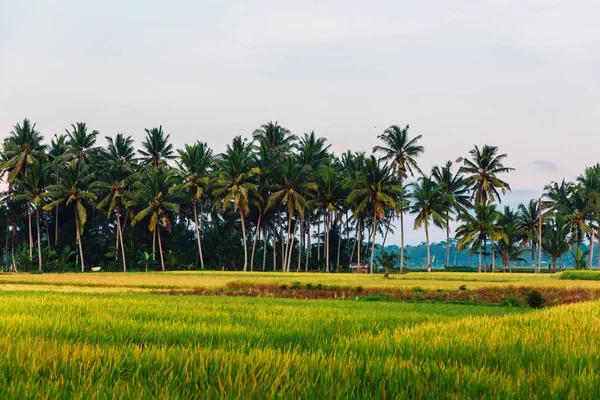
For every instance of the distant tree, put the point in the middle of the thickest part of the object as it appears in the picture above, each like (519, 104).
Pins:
(482, 172)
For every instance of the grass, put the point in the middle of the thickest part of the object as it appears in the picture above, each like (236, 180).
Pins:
(581, 275)
(139, 345)
(195, 279)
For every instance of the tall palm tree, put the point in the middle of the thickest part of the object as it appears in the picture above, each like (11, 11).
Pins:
(277, 138)
(430, 203)
(21, 148)
(402, 152)
(56, 156)
(330, 197)
(482, 171)
(157, 150)
(529, 226)
(119, 151)
(154, 197)
(73, 189)
(262, 161)
(590, 182)
(579, 211)
(234, 183)
(81, 145)
(294, 187)
(457, 192)
(476, 228)
(33, 190)
(194, 166)
(555, 241)
(508, 245)
(375, 186)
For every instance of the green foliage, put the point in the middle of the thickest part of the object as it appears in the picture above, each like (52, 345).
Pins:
(581, 275)
(535, 299)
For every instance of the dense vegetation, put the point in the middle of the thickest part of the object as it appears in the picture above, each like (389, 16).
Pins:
(67, 345)
(272, 202)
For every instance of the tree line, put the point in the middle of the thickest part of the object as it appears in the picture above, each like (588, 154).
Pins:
(273, 201)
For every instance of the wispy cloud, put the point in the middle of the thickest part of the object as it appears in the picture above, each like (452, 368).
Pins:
(544, 165)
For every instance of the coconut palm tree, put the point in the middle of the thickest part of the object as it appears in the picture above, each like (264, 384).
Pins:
(590, 182)
(233, 184)
(293, 190)
(194, 167)
(21, 148)
(476, 228)
(56, 156)
(482, 172)
(156, 150)
(277, 138)
(430, 204)
(529, 226)
(81, 145)
(73, 189)
(375, 186)
(508, 245)
(457, 192)
(331, 197)
(579, 212)
(555, 241)
(402, 152)
(154, 198)
(32, 189)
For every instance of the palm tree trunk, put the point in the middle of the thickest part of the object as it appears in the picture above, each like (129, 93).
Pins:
(352, 251)
(244, 237)
(283, 248)
(291, 246)
(56, 227)
(300, 245)
(198, 234)
(428, 249)
(359, 238)
(308, 249)
(154, 245)
(287, 245)
(327, 221)
(14, 233)
(160, 249)
(78, 233)
(339, 244)
(39, 237)
(401, 240)
(447, 240)
(373, 238)
(6, 258)
(117, 244)
(47, 229)
(264, 237)
(30, 232)
(254, 244)
(274, 247)
(592, 249)
(319, 242)
(120, 232)
(493, 257)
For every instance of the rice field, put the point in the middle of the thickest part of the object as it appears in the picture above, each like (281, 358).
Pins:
(58, 341)
(193, 279)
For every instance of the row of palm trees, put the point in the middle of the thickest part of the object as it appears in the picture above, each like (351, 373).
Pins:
(280, 188)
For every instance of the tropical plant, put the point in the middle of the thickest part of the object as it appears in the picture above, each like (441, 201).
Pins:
(482, 172)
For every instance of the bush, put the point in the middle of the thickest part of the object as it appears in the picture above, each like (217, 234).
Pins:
(512, 301)
(462, 287)
(309, 286)
(375, 297)
(535, 299)
(296, 285)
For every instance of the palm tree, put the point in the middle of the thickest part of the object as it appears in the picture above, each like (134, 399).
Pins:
(579, 211)
(278, 139)
(33, 190)
(555, 242)
(154, 196)
(233, 183)
(508, 245)
(331, 196)
(81, 144)
(430, 204)
(21, 148)
(590, 181)
(457, 192)
(56, 156)
(194, 166)
(292, 192)
(119, 151)
(375, 186)
(402, 152)
(529, 226)
(73, 189)
(156, 148)
(476, 228)
(482, 172)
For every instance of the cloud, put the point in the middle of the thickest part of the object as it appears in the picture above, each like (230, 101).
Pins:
(544, 165)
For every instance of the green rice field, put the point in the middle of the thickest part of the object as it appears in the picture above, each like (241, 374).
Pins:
(104, 336)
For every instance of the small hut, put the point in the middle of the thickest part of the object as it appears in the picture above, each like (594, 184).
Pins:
(359, 268)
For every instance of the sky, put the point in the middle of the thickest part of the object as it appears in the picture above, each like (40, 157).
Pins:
(521, 75)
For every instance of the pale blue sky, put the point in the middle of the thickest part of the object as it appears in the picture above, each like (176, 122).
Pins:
(516, 74)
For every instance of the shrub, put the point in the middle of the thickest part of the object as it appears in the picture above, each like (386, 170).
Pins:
(296, 285)
(375, 297)
(309, 286)
(462, 287)
(581, 275)
(512, 301)
(535, 299)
